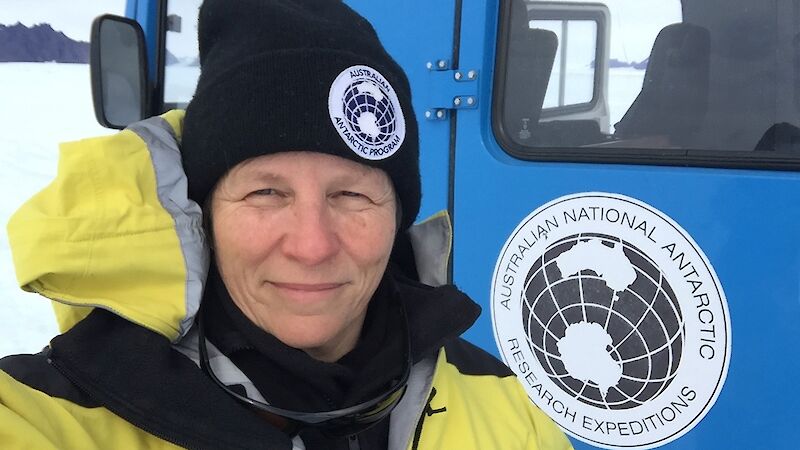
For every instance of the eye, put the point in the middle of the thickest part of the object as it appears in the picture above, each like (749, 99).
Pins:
(351, 194)
(266, 197)
(351, 199)
(267, 191)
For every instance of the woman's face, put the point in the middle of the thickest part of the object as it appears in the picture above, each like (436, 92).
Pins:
(302, 240)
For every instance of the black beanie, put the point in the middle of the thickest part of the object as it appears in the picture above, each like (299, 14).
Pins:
(298, 75)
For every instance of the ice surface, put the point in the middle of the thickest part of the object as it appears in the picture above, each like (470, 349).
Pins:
(41, 104)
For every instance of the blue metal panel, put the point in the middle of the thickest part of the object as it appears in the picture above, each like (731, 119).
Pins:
(413, 39)
(478, 28)
(744, 221)
(146, 13)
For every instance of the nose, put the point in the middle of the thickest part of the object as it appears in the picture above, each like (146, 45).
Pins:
(311, 238)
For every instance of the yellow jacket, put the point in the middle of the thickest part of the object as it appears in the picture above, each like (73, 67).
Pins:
(120, 250)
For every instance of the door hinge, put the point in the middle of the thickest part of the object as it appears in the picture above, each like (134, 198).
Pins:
(450, 89)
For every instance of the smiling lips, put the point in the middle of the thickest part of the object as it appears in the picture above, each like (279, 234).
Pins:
(304, 287)
(307, 291)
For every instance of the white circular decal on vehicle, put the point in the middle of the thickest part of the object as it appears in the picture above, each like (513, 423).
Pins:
(365, 111)
(613, 319)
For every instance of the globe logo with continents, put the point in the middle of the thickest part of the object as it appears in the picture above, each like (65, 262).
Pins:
(603, 321)
(369, 112)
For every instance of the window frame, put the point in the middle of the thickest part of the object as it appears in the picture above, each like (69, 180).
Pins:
(675, 157)
(599, 56)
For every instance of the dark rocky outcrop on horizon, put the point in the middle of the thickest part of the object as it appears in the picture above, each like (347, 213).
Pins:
(614, 63)
(641, 65)
(40, 43)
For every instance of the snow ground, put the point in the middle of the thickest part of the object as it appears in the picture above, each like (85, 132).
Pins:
(41, 104)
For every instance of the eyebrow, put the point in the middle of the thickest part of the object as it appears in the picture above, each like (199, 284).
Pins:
(262, 175)
(351, 178)
(265, 175)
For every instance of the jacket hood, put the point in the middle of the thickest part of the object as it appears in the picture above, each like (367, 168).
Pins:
(116, 230)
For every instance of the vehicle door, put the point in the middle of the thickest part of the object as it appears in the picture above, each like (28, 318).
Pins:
(638, 270)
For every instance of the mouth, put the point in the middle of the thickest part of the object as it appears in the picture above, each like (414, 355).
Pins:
(307, 292)
(307, 287)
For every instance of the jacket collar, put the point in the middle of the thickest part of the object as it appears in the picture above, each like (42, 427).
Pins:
(137, 374)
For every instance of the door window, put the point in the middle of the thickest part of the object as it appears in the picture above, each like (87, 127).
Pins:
(656, 82)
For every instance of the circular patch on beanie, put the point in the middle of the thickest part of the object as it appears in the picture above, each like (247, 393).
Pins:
(365, 111)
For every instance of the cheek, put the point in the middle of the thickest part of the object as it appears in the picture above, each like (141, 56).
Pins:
(368, 239)
(240, 238)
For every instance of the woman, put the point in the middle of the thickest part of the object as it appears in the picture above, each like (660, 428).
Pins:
(306, 326)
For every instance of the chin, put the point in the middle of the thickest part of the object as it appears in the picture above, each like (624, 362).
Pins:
(308, 334)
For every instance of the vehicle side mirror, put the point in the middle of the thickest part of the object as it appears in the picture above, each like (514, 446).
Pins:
(118, 66)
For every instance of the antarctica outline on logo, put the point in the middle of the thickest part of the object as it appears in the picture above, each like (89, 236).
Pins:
(366, 112)
(613, 320)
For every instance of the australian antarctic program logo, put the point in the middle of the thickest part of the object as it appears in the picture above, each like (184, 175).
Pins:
(365, 111)
(613, 319)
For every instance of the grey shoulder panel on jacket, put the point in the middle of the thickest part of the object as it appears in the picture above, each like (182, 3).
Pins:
(472, 360)
(36, 372)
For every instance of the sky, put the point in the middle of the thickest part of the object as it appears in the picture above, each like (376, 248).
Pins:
(73, 17)
(635, 24)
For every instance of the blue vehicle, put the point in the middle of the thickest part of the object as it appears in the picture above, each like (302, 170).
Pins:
(621, 179)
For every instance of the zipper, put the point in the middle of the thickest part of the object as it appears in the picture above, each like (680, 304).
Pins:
(412, 440)
(352, 442)
(426, 412)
